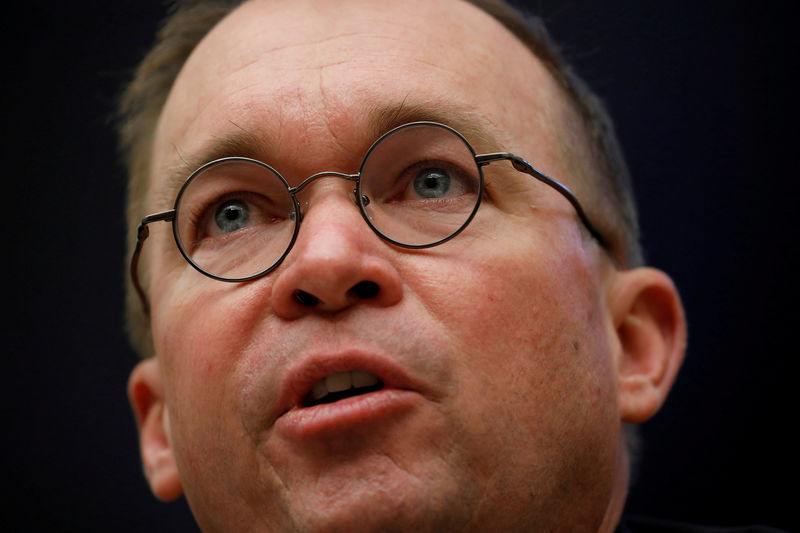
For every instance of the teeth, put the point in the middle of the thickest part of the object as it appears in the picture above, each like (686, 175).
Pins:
(338, 382)
(319, 390)
(342, 381)
(363, 379)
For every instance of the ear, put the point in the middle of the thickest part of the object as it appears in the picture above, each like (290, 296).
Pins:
(146, 394)
(651, 329)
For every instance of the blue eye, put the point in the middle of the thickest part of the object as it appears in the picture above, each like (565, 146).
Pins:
(232, 215)
(432, 183)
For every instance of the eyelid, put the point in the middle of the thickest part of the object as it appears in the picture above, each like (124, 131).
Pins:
(408, 175)
(202, 214)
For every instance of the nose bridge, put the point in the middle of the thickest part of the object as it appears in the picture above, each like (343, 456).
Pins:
(336, 261)
(322, 193)
(326, 173)
(328, 210)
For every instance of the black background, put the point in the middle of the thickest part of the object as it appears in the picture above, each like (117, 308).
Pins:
(704, 101)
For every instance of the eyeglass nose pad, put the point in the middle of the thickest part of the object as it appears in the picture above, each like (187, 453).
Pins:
(364, 198)
(302, 207)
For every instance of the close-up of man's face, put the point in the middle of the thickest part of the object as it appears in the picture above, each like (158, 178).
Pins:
(492, 374)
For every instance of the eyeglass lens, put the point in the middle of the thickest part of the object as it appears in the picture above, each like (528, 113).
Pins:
(419, 185)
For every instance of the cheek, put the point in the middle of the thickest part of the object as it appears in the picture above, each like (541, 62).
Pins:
(201, 343)
(530, 339)
(198, 339)
(192, 338)
(507, 293)
(199, 323)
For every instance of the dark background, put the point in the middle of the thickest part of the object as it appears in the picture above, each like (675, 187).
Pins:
(701, 97)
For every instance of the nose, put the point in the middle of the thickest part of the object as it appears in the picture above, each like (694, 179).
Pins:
(337, 261)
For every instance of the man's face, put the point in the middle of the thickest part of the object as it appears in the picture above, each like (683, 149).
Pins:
(495, 350)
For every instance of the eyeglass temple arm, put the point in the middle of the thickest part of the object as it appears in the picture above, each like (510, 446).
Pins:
(523, 166)
(141, 235)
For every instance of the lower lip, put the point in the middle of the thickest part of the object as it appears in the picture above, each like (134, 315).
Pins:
(303, 423)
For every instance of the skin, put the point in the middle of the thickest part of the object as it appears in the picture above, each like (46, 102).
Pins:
(511, 354)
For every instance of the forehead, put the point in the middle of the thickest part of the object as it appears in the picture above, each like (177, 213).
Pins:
(306, 78)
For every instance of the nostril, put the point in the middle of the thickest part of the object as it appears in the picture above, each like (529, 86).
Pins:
(306, 298)
(365, 289)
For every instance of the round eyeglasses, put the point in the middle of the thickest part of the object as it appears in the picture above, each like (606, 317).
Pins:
(419, 185)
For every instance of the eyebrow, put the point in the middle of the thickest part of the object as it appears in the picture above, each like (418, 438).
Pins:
(380, 119)
(240, 143)
(467, 122)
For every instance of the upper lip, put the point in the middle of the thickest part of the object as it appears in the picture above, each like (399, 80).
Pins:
(301, 376)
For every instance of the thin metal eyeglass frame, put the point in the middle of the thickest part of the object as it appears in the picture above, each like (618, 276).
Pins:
(481, 160)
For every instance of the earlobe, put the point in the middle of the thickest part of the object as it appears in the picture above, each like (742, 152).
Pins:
(651, 328)
(146, 394)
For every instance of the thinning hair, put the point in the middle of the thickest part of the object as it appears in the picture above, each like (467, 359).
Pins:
(606, 191)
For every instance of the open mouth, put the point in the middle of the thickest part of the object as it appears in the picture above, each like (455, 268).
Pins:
(341, 385)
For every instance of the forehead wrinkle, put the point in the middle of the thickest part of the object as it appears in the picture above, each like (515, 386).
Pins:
(380, 119)
(475, 128)
(268, 57)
